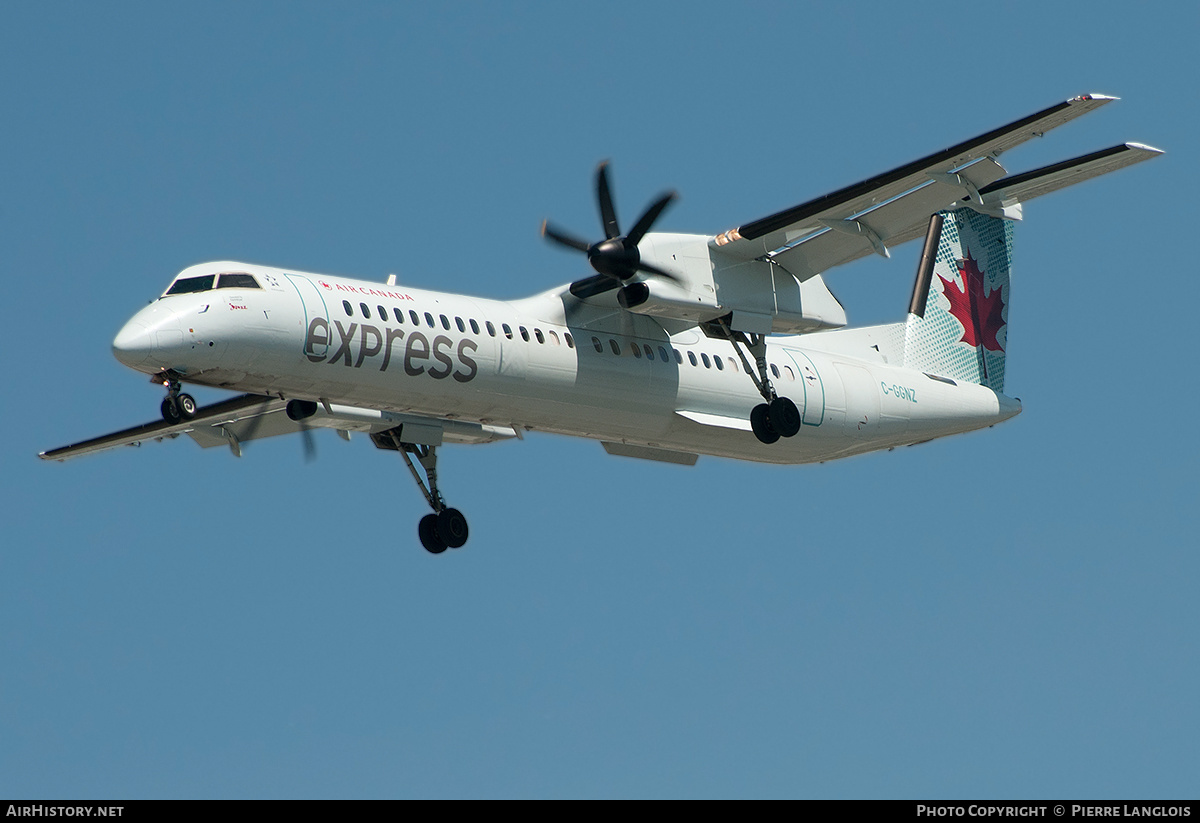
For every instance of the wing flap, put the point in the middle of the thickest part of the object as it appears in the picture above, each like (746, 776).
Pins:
(767, 234)
(897, 221)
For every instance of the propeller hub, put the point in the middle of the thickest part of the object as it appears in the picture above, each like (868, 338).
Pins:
(614, 258)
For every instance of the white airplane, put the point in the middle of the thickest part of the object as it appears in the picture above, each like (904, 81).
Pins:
(680, 345)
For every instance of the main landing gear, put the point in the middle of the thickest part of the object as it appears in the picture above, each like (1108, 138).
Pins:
(446, 528)
(777, 416)
(176, 407)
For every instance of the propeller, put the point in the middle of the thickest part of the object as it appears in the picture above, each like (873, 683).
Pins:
(616, 257)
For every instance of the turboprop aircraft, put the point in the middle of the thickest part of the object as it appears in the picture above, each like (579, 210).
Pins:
(679, 345)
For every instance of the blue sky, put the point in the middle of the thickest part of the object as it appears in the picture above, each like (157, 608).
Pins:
(1010, 613)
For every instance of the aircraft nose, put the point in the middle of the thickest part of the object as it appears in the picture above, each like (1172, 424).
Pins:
(133, 344)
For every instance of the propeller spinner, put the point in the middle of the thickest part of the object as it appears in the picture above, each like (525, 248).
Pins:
(616, 257)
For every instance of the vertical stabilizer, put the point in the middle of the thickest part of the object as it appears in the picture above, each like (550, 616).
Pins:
(958, 317)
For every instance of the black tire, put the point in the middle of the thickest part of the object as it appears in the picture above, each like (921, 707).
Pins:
(452, 528)
(760, 422)
(428, 532)
(187, 406)
(170, 410)
(784, 416)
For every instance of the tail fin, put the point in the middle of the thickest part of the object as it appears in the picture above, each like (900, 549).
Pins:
(958, 319)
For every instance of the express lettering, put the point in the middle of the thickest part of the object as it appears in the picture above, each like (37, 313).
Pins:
(358, 343)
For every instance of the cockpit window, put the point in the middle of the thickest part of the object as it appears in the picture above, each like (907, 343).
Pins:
(189, 285)
(237, 281)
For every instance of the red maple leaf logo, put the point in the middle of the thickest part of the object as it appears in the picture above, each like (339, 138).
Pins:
(979, 313)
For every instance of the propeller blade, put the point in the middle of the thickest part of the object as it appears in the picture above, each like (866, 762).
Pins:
(663, 273)
(563, 238)
(647, 219)
(608, 215)
(310, 445)
(592, 286)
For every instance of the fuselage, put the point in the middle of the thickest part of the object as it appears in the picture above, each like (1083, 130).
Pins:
(545, 363)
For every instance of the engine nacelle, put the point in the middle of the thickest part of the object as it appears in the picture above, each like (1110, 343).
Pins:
(760, 297)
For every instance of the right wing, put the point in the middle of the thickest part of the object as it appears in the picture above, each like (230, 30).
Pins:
(247, 417)
(253, 417)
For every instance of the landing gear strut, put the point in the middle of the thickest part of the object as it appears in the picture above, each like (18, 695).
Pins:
(176, 407)
(777, 416)
(446, 528)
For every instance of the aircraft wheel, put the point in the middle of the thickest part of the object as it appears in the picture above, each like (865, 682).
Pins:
(760, 421)
(427, 530)
(170, 410)
(187, 406)
(452, 528)
(784, 416)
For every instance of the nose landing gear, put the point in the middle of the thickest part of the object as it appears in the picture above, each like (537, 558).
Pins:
(176, 406)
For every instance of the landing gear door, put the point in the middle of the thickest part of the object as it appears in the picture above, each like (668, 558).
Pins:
(813, 410)
(316, 341)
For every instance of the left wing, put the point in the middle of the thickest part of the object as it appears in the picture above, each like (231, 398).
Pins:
(892, 207)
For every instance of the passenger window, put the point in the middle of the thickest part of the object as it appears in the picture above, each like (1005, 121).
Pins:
(366, 312)
(662, 353)
(649, 352)
(382, 313)
(637, 350)
(507, 330)
(237, 281)
(732, 364)
(537, 333)
(429, 320)
(569, 339)
(775, 371)
(791, 375)
(190, 285)
(412, 315)
(458, 321)
(399, 315)
(598, 345)
(612, 344)
(524, 333)
(718, 362)
(678, 357)
(474, 326)
(704, 357)
(692, 357)
(553, 336)
(491, 329)
(348, 308)
(445, 322)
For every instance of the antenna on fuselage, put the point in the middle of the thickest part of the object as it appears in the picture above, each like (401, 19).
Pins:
(391, 281)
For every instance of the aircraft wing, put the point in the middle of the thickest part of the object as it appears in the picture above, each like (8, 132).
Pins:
(246, 417)
(892, 207)
(253, 417)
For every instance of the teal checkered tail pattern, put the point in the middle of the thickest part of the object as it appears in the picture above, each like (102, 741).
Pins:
(963, 333)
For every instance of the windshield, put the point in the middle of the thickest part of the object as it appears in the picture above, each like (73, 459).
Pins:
(187, 285)
(234, 280)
